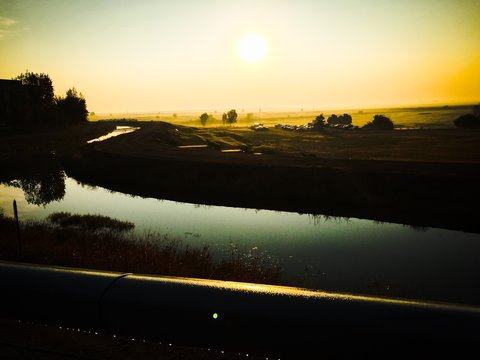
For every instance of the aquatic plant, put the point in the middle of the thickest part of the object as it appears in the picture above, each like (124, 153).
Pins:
(89, 222)
(103, 243)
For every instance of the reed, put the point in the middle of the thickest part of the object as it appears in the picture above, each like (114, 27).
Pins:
(102, 243)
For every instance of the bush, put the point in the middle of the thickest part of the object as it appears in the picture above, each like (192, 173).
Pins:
(468, 121)
(379, 122)
(318, 123)
(345, 119)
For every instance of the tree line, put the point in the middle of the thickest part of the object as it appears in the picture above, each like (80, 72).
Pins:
(35, 104)
(379, 122)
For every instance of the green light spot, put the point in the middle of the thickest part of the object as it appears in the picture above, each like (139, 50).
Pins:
(215, 315)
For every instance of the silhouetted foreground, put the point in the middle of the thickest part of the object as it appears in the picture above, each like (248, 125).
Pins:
(29, 102)
(29, 340)
(276, 322)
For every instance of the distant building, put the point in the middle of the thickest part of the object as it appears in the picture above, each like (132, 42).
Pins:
(15, 107)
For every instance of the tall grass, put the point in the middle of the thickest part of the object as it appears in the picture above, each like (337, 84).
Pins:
(97, 242)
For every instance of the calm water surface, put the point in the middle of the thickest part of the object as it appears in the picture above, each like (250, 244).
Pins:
(325, 253)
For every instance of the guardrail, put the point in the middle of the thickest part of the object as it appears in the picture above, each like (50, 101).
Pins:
(263, 319)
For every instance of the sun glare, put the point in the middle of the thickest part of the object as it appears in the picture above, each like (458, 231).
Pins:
(252, 48)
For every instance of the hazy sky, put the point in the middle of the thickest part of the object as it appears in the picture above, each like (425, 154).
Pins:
(184, 54)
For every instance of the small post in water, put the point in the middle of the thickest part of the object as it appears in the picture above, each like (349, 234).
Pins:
(17, 223)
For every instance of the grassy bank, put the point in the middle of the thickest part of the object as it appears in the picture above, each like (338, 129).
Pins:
(416, 177)
(98, 242)
(430, 194)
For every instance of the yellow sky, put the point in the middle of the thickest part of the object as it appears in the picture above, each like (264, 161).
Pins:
(130, 56)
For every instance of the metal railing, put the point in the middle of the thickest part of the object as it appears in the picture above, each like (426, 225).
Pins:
(234, 316)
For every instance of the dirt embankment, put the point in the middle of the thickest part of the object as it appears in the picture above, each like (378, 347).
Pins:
(150, 163)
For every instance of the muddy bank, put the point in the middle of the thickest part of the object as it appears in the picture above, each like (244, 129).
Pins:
(419, 194)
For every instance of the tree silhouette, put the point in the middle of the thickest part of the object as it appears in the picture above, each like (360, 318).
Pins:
(203, 119)
(344, 119)
(379, 122)
(72, 108)
(224, 118)
(39, 106)
(40, 96)
(332, 119)
(44, 182)
(232, 116)
(319, 122)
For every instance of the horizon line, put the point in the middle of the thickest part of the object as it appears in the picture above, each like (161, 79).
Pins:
(291, 109)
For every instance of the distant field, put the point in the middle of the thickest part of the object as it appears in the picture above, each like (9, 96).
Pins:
(418, 117)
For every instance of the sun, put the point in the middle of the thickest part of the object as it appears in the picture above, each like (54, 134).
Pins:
(252, 48)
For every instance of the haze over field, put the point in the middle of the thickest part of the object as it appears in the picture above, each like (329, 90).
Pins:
(127, 56)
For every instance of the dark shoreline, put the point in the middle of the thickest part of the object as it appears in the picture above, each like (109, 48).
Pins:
(422, 195)
(424, 178)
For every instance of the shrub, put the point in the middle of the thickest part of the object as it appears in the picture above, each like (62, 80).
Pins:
(345, 119)
(468, 121)
(379, 122)
(319, 122)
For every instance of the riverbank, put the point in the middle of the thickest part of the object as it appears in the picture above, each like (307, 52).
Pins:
(422, 178)
(426, 178)
(102, 243)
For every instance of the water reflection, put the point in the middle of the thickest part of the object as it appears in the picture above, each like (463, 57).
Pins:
(120, 130)
(46, 183)
(318, 219)
(417, 228)
(321, 252)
